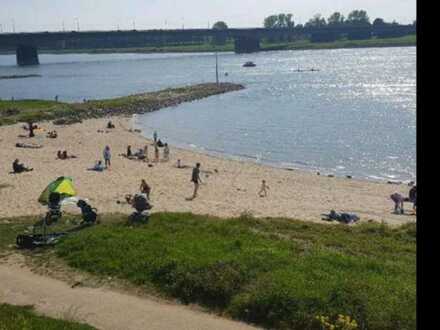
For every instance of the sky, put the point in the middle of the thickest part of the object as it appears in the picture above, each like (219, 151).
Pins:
(56, 15)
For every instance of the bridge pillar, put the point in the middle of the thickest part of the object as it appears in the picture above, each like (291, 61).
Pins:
(247, 45)
(27, 55)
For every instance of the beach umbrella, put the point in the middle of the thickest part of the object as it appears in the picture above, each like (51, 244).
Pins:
(63, 185)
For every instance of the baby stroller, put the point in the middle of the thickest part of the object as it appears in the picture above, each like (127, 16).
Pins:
(88, 213)
(142, 206)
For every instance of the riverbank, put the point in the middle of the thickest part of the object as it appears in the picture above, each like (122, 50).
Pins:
(36, 110)
(410, 40)
(229, 187)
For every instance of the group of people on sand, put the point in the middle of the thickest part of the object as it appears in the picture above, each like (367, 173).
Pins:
(399, 200)
(142, 153)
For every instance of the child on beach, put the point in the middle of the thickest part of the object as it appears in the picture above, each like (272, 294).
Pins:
(264, 188)
(166, 152)
(145, 189)
(107, 156)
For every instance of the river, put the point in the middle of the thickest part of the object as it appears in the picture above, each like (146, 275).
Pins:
(355, 115)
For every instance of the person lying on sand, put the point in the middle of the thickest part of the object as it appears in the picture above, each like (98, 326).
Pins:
(64, 155)
(19, 168)
(28, 145)
(98, 167)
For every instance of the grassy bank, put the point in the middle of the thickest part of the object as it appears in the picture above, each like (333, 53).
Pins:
(277, 273)
(36, 110)
(409, 40)
(23, 317)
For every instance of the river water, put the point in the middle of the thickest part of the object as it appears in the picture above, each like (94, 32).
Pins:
(355, 116)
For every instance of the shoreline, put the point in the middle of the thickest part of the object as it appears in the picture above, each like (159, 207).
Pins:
(277, 165)
(230, 186)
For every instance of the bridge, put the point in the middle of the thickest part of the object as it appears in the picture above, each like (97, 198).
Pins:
(26, 45)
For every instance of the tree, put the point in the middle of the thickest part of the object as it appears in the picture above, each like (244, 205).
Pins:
(219, 39)
(336, 19)
(316, 21)
(358, 17)
(270, 22)
(280, 21)
(220, 25)
(379, 22)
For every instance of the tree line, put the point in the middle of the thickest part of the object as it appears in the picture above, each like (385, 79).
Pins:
(354, 18)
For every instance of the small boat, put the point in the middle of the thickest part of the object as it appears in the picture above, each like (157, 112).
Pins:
(249, 65)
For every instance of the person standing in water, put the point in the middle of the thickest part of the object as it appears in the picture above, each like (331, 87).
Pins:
(107, 156)
(155, 137)
(195, 178)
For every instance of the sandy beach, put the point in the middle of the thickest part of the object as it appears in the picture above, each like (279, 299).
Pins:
(229, 187)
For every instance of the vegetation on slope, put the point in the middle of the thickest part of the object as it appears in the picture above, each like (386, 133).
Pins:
(23, 317)
(277, 273)
(36, 110)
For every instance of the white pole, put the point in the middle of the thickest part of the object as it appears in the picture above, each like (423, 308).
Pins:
(216, 68)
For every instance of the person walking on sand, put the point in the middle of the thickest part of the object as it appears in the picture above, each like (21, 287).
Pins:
(264, 188)
(145, 189)
(195, 178)
(156, 154)
(166, 152)
(107, 156)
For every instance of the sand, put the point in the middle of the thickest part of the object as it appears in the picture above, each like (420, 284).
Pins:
(229, 187)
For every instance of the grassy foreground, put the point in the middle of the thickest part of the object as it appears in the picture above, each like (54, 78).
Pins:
(12, 112)
(277, 273)
(23, 318)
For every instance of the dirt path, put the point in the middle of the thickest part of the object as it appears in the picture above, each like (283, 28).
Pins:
(101, 308)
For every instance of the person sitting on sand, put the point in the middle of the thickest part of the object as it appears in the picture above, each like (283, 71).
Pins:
(160, 144)
(264, 188)
(52, 134)
(19, 168)
(145, 189)
(60, 155)
(98, 166)
(110, 125)
(166, 152)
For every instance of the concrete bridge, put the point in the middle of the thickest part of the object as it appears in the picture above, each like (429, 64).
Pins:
(26, 45)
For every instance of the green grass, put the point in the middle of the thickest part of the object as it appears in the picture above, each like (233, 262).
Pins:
(15, 111)
(24, 318)
(409, 40)
(277, 273)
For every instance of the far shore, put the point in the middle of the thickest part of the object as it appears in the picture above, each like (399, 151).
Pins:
(406, 41)
(230, 188)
